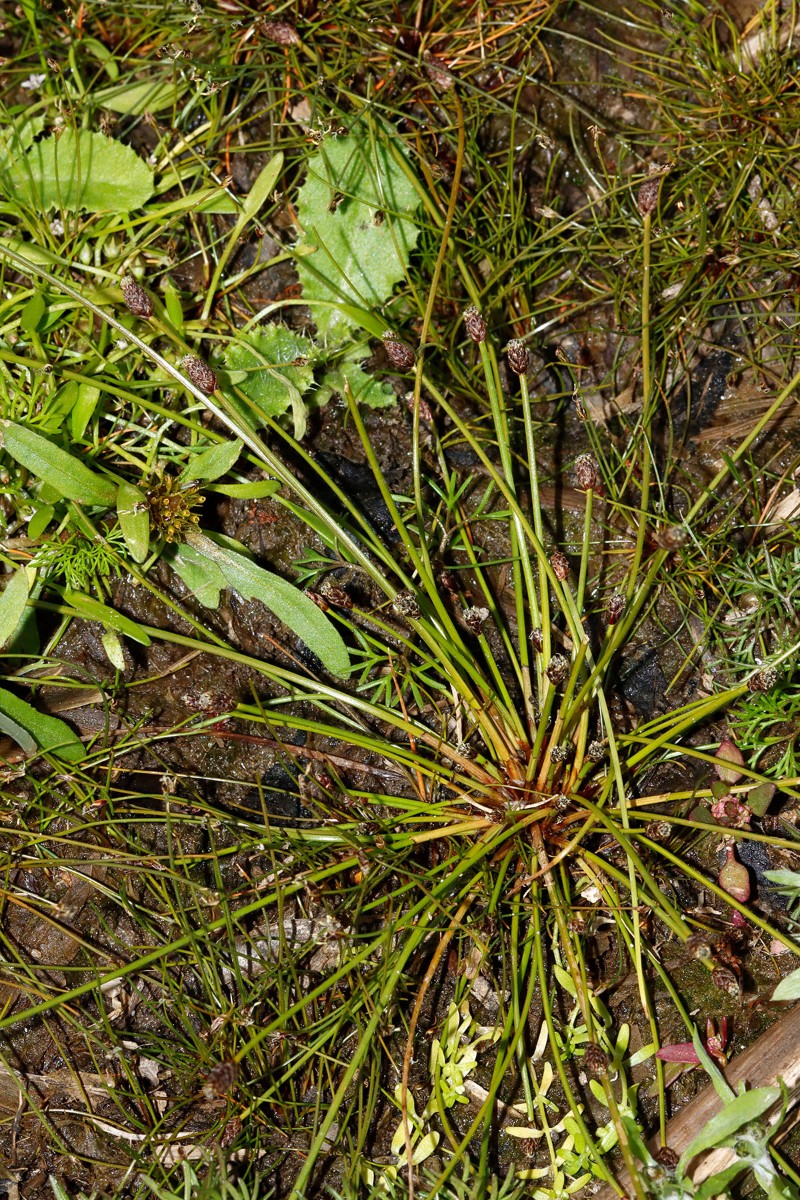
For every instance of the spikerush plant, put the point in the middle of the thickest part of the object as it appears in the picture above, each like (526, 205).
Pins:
(489, 790)
(500, 755)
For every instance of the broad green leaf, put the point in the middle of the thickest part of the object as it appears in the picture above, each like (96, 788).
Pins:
(70, 478)
(134, 519)
(32, 313)
(788, 988)
(103, 55)
(83, 409)
(738, 1112)
(84, 171)
(212, 463)
(40, 520)
(273, 367)
(356, 209)
(57, 407)
(261, 189)
(202, 577)
(134, 99)
(172, 303)
(289, 604)
(113, 648)
(46, 733)
(259, 489)
(93, 610)
(13, 600)
(719, 1183)
(425, 1148)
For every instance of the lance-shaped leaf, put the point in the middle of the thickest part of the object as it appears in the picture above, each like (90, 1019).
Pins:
(289, 604)
(94, 610)
(134, 520)
(70, 477)
(33, 730)
(212, 463)
(13, 599)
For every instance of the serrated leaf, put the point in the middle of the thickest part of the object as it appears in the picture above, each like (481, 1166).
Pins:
(202, 577)
(273, 367)
(356, 210)
(113, 648)
(365, 389)
(13, 600)
(738, 1112)
(70, 478)
(84, 171)
(133, 515)
(93, 610)
(286, 601)
(788, 988)
(212, 463)
(40, 730)
(259, 489)
(134, 99)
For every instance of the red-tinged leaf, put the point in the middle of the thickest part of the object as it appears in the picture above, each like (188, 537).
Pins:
(729, 759)
(679, 1052)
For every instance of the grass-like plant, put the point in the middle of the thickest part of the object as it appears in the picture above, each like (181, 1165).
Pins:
(394, 993)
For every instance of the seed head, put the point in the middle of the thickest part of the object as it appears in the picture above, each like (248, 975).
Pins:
(537, 640)
(658, 831)
(474, 618)
(199, 373)
(220, 1079)
(557, 669)
(136, 298)
(399, 354)
(595, 751)
(726, 981)
(405, 604)
(595, 1061)
(474, 324)
(281, 32)
(763, 680)
(665, 1156)
(517, 356)
(616, 607)
(562, 753)
(560, 564)
(587, 472)
(647, 198)
(698, 946)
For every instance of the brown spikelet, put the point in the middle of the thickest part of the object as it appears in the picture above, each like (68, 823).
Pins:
(199, 373)
(517, 356)
(399, 354)
(136, 298)
(474, 324)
